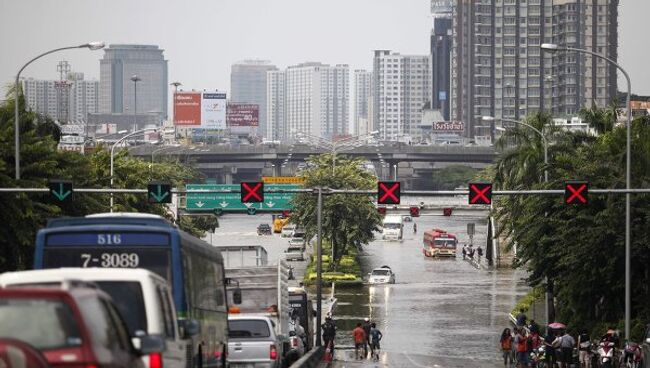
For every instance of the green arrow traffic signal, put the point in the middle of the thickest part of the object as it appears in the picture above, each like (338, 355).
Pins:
(159, 192)
(61, 190)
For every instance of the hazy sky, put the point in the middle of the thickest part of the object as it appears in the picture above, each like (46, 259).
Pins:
(202, 38)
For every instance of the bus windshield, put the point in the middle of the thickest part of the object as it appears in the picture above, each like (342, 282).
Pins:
(444, 243)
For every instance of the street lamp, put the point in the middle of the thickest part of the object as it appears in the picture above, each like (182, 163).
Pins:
(551, 47)
(135, 80)
(113, 151)
(91, 46)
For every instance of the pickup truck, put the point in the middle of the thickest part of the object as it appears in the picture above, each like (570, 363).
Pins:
(252, 342)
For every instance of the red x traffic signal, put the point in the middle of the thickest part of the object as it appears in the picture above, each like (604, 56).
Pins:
(381, 210)
(447, 211)
(252, 192)
(480, 193)
(388, 192)
(576, 192)
(415, 211)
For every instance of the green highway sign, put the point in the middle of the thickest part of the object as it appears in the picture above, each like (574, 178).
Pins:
(232, 201)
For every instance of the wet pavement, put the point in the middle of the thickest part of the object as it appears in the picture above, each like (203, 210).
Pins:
(440, 312)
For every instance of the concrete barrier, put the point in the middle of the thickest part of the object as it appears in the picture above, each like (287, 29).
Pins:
(312, 359)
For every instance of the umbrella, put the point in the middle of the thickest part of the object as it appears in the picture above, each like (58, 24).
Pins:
(557, 326)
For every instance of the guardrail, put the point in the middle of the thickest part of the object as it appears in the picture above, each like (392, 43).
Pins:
(310, 360)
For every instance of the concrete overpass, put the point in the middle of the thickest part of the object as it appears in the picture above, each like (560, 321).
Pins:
(227, 164)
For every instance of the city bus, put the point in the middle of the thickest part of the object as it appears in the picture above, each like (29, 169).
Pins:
(439, 243)
(193, 268)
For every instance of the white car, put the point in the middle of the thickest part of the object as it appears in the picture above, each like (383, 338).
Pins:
(143, 298)
(294, 254)
(297, 242)
(287, 230)
(381, 275)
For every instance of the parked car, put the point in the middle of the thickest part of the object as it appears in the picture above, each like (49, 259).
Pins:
(143, 298)
(382, 275)
(298, 233)
(252, 341)
(294, 254)
(264, 229)
(287, 230)
(297, 242)
(75, 325)
(19, 354)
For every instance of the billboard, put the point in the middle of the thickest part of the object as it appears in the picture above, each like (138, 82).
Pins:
(243, 115)
(187, 108)
(441, 6)
(213, 110)
(448, 126)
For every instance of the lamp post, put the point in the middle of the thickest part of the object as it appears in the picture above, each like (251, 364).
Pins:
(545, 143)
(113, 151)
(556, 48)
(91, 46)
(135, 80)
(334, 147)
(176, 85)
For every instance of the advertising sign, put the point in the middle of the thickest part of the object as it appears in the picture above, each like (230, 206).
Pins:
(72, 139)
(71, 147)
(187, 108)
(243, 115)
(448, 126)
(73, 129)
(441, 6)
(283, 180)
(213, 110)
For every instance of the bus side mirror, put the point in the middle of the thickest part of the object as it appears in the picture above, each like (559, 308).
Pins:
(189, 327)
(236, 296)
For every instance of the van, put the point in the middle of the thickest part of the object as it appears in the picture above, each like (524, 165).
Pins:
(393, 227)
(143, 299)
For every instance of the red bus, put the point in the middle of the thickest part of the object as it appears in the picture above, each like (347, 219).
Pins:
(439, 243)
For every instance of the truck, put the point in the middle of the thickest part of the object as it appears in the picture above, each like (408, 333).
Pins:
(261, 336)
(393, 227)
(244, 256)
(278, 224)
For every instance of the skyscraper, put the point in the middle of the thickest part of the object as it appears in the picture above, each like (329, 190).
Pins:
(499, 70)
(43, 97)
(317, 100)
(248, 85)
(117, 90)
(362, 98)
(441, 10)
(276, 92)
(401, 87)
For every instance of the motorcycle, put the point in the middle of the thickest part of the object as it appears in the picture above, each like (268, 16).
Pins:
(632, 355)
(606, 354)
(538, 357)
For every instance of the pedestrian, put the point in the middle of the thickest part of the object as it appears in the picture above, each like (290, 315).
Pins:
(329, 334)
(471, 252)
(550, 341)
(366, 329)
(480, 253)
(521, 318)
(375, 338)
(533, 327)
(522, 355)
(415, 228)
(566, 346)
(359, 339)
(464, 251)
(584, 344)
(506, 347)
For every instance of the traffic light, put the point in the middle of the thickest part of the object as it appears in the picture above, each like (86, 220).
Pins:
(480, 193)
(159, 192)
(252, 192)
(381, 210)
(576, 192)
(251, 210)
(388, 192)
(447, 211)
(286, 213)
(415, 211)
(61, 190)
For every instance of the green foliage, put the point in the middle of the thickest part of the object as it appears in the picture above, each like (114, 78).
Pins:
(580, 249)
(22, 214)
(452, 177)
(348, 220)
(528, 300)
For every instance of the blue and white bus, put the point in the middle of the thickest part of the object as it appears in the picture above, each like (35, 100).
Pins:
(193, 268)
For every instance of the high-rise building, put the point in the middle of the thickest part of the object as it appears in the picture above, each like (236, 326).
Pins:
(499, 70)
(401, 87)
(362, 100)
(45, 97)
(117, 90)
(441, 10)
(248, 85)
(317, 100)
(276, 92)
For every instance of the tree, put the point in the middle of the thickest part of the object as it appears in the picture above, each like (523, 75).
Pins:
(22, 214)
(451, 177)
(348, 220)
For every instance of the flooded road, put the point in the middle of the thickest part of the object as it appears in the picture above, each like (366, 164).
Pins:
(440, 312)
